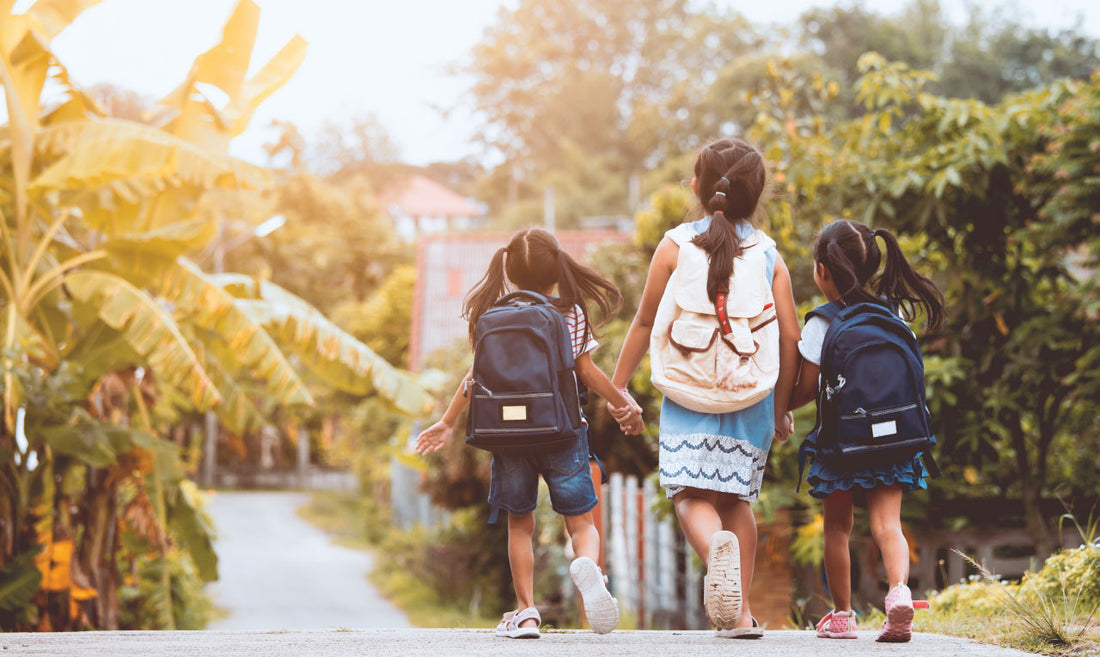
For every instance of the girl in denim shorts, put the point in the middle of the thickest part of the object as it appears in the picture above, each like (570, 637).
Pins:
(533, 260)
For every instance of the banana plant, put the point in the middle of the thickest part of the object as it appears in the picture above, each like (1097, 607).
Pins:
(106, 325)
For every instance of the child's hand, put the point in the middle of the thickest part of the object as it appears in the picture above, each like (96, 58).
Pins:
(633, 426)
(784, 426)
(629, 416)
(433, 438)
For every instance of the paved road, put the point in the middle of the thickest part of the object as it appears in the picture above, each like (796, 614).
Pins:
(278, 572)
(458, 643)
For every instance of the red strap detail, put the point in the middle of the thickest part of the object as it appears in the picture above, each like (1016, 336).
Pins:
(720, 309)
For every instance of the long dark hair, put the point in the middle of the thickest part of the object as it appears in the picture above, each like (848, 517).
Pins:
(730, 177)
(533, 260)
(850, 252)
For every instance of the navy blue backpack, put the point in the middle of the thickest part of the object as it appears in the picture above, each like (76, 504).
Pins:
(871, 407)
(523, 394)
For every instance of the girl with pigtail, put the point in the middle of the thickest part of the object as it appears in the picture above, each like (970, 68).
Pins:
(712, 463)
(846, 263)
(534, 261)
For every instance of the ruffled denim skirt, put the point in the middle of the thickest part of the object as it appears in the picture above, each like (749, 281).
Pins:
(824, 480)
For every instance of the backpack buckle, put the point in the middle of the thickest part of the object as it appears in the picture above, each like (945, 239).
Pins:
(830, 391)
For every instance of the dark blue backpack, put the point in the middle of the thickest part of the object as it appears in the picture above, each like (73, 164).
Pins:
(871, 408)
(523, 394)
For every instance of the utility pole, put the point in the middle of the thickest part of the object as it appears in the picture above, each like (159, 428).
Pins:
(548, 218)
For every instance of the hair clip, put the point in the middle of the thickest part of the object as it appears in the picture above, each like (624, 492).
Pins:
(726, 179)
(719, 193)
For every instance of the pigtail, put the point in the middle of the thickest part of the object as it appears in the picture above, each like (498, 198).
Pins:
(901, 283)
(844, 274)
(491, 287)
(577, 284)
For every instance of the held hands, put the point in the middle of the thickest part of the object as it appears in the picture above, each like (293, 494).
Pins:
(433, 438)
(629, 417)
(784, 426)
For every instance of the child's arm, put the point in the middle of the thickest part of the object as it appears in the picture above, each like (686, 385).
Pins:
(593, 377)
(805, 390)
(789, 357)
(436, 436)
(636, 343)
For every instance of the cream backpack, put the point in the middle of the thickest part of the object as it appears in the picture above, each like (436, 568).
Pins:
(694, 361)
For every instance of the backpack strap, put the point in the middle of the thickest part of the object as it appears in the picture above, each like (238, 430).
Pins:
(830, 312)
(520, 294)
(722, 314)
(930, 465)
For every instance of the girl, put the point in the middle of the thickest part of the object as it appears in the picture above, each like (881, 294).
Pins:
(711, 465)
(846, 259)
(533, 260)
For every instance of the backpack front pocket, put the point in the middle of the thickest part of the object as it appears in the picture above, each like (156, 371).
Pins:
(692, 353)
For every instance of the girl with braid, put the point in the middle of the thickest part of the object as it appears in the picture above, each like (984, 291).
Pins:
(712, 464)
(846, 263)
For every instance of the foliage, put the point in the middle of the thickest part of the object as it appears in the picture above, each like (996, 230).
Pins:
(113, 338)
(1051, 608)
(989, 56)
(980, 200)
(583, 96)
(143, 602)
(382, 321)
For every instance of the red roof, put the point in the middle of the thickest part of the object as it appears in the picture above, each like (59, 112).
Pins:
(421, 197)
(448, 266)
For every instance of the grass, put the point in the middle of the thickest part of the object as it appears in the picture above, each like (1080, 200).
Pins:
(340, 514)
(1052, 611)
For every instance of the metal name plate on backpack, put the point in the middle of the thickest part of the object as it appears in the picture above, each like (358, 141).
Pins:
(883, 429)
(513, 413)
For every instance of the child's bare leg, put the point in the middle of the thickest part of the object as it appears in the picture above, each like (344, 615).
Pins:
(585, 538)
(884, 511)
(698, 514)
(521, 557)
(737, 517)
(838, 564)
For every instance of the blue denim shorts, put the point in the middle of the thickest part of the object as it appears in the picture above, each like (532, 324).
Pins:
(514, 486)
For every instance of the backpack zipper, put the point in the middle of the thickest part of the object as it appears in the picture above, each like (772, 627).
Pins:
(469, 383)
(862, 412)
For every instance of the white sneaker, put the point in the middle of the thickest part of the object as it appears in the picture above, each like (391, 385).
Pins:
(601, 610)
(722, 584)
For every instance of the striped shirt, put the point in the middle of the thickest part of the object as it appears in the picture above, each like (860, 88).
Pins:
(578, 327)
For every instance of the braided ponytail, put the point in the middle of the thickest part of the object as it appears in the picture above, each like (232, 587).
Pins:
(730, 178)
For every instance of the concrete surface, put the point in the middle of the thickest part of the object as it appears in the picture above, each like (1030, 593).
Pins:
(458, 643)
(279, 572)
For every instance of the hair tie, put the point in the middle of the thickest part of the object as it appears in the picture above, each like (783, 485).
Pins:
(719, 212)
(719, 193)
(726, 179)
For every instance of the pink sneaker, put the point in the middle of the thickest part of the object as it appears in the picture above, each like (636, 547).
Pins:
(837, 625)
(898, 627)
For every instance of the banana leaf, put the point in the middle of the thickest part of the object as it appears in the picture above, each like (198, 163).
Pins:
(148, 329)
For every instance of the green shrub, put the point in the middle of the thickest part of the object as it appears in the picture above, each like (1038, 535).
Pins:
(1049, 610)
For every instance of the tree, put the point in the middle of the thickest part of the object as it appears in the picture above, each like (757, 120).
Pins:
(598, 87)
(980, 185)
(111, 334)
(986, 58)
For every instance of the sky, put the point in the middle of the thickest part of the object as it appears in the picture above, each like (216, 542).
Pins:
(392, 59)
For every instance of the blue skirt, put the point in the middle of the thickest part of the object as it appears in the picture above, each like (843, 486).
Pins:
(824, 480)
(724, 452)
